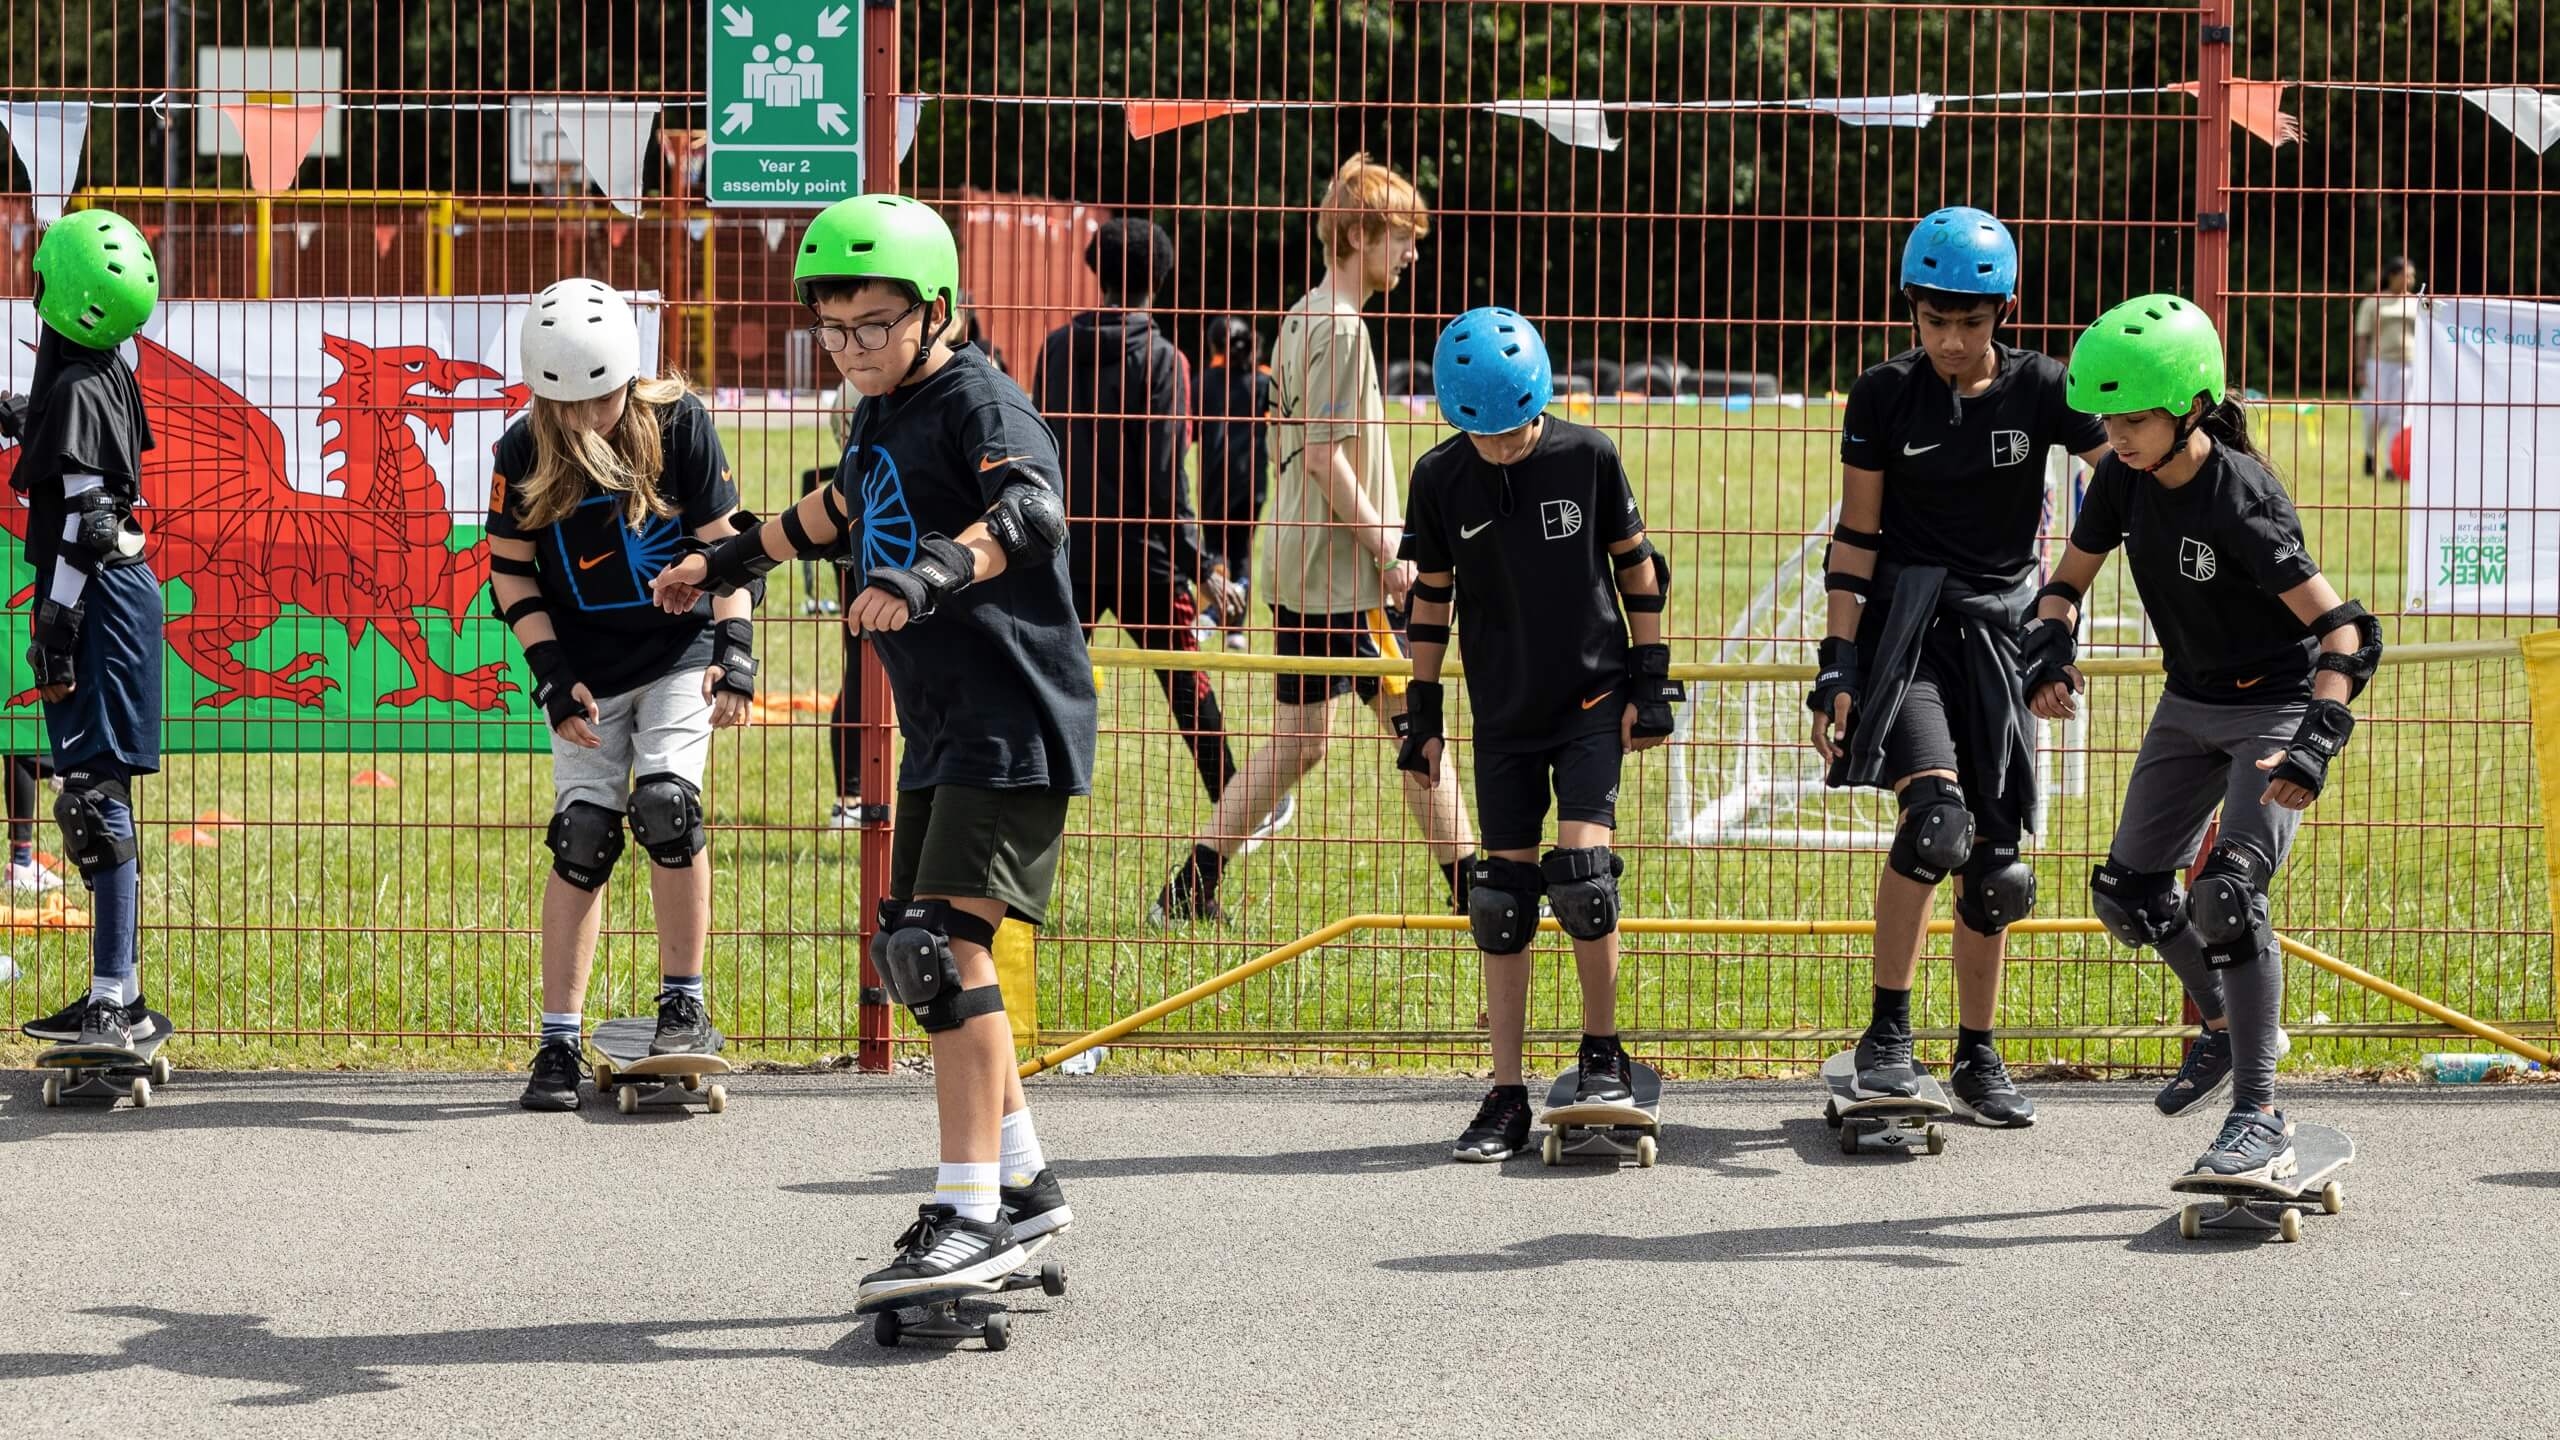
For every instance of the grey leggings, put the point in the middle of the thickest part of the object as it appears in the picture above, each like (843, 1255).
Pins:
(2196, 758)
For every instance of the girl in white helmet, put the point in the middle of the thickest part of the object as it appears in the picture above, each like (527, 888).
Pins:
(595, 490)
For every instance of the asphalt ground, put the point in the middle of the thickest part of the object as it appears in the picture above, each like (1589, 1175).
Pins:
(291, 1254)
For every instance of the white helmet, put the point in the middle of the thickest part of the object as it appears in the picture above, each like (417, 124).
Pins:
(580, 341)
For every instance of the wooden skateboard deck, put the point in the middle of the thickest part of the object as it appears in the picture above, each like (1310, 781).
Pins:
(1882, 1122)
(639, 1079)
(2319, 1152)
(942, 1322)
(90, 1072)
(1633, 1128)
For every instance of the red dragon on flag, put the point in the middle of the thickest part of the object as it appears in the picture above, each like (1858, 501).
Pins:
(224, 517)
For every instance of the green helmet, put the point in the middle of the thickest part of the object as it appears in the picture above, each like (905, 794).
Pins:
(880, 237)
(2153, 352)
(96, 279)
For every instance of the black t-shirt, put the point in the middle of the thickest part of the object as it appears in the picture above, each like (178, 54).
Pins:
(1963, 478)
(994, 690)
(84, 417)
(1537, 610)
(595, 570)
(2209, 559)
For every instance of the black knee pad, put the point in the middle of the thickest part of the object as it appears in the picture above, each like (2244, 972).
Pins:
(1936, 834)
(87, 837)
(1502, 904)
(666, 818)
(585, 840)
(1582, 887)
(1998, 889)
(2138, 907)
(2228, 905)
(912, 952)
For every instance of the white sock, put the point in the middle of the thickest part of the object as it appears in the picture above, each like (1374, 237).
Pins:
(563, 1025)
(969, 1189)
(1022, 1162)
(109, 988)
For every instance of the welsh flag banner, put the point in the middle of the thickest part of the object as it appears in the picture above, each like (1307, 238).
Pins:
(315, 506)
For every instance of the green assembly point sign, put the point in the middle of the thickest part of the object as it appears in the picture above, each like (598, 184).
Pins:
(786, 102)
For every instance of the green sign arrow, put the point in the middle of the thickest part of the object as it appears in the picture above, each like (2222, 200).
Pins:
(786, 102)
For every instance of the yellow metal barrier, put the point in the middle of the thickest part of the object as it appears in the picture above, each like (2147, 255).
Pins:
(1352, 924)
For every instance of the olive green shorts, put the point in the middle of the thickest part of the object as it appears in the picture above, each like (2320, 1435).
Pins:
(958, 841)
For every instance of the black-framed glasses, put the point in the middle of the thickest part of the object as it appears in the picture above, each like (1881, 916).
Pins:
(832, 337)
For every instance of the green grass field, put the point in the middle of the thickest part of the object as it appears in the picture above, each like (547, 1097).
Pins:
(350, 926)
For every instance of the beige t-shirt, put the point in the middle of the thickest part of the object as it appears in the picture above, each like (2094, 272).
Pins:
(1324, 387)
(2389, 323)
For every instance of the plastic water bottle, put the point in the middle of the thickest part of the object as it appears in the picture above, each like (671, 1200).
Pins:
(2469, 1069)
(1085, 1062)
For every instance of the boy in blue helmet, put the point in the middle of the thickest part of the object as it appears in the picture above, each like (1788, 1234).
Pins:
(1931, 577)
(1524, 528)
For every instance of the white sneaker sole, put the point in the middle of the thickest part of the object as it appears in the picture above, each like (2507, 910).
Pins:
(2023, 1122)
(1048, 1223)
(978, 1279)
(1282, 816)
(2282, 1167)
(1481, 1157)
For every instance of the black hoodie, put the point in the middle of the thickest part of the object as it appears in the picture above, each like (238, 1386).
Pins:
(1116, 393)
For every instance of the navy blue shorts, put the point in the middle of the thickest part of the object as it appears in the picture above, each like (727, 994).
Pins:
(113, 713)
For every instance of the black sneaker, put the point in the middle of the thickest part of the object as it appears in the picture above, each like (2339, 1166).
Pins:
(102, 1023)
(1885, 1066)
(1183, 900)
(2253, 1145)
(557, 1068)
(1982, 1090)
(1601, 1073)
(2205, 1074)
(63, 1025)
(684, 1027)
(1036, 1209)
(942, 1255)
(1500, 1129)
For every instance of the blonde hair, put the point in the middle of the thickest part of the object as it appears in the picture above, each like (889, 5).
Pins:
(1364, 198)
(624, 461)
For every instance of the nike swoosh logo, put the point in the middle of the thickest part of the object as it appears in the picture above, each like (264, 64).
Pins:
(70, 740)
(2245, 684)
(986, 465)
(593, 561)
(1466, 534)
(1596, 699)
(1923, 450)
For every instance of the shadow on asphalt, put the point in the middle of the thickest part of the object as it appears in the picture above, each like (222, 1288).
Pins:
(1922, 1244)
(1683, 1147)
(2526, 1179)
(301, 1369)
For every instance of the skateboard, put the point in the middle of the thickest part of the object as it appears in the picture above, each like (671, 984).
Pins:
(1633, 1128)
(942, 1322)
(638, 1078)
(2318, 1153)
(1882, 1122)
(90, 1072)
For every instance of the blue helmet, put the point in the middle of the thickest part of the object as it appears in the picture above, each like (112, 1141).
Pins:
(1490, 371)
(1963, 251)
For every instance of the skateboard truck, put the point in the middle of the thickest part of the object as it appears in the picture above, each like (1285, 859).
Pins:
(942, 1323)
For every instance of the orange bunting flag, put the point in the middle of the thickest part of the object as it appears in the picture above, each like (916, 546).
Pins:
(2257, 106)
(276, 139)
(1154, 117)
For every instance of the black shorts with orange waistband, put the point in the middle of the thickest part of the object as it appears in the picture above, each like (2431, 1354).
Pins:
(1343, 635)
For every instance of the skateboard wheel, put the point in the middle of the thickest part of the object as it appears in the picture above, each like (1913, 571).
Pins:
(160, 1072)
(1831, 1115)
(2333, 1197)
(716, 1099)
(1848, 1139)
(140, 1090)
(1647, 1151)
(2187, 1222)
(998, 1330)
(1551, 1149)
(52, 1091)
(1937, 1140)
(691, 1082)
(626, 1099)
(885, 1329)
(2289, 1224)
(1053, 1279)
(604, 1075)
